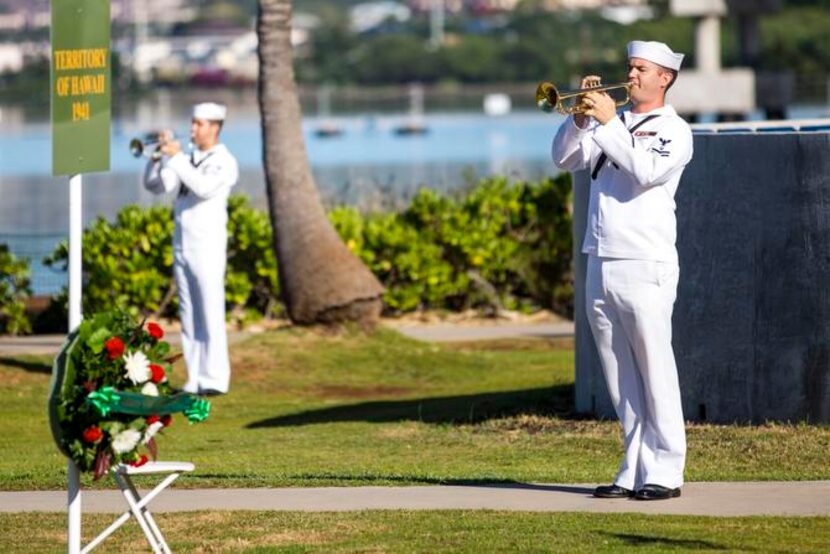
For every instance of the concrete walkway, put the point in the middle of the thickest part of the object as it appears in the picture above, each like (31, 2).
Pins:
(442, 332)
(32, 344)
(448, 332)
(801, 498)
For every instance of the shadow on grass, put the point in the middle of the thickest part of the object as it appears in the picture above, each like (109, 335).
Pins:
(472, 408)
(26, 365)
(327, 478)
(665, 542)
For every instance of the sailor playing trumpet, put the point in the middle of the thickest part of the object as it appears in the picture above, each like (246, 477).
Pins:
(635, 161)
(202, 182)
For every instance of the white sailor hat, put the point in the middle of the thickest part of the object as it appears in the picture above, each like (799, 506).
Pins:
(656, 52)
(210, 110)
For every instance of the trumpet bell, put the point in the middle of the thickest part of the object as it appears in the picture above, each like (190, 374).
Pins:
(136, 148)
(140, 146)
(547, 97)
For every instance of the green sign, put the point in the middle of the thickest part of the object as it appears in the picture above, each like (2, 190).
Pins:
(80, 84)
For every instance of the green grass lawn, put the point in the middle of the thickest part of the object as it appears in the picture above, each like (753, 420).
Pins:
(434, 531)
(309, 408)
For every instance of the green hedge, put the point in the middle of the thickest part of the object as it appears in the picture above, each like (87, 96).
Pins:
(129, 262)
(14, 290)
(499, 246)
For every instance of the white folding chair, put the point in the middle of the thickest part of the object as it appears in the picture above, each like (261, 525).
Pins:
(138, 504)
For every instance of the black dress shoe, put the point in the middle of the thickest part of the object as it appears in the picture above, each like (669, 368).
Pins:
(656, 492)
(612, 491)
(210, 392)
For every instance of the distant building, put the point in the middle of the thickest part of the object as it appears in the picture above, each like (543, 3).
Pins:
(208, 54)
(425, 6)
(157, 12)
(371, 15)
(560, 5)
(491, 6)
(20, 15)
(12, 21)
(11, 58)
(496, 6)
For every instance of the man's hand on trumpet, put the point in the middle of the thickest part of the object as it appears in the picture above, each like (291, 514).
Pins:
(168, 144)
(600, 105)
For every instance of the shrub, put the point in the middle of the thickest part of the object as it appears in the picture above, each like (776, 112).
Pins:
(512, 243)
(251, 281)
(129, 263)
(412, 269)
(14, 290)
(499, 246)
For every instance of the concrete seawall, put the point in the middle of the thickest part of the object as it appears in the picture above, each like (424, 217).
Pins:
(752, 318)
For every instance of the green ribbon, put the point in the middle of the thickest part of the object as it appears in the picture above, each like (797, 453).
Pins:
(198, 411)
(104, 400)
(107, 399)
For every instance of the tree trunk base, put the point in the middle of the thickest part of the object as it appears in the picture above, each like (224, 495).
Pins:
(364, 311)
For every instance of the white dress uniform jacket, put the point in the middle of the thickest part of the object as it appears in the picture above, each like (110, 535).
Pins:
(202, 183)
(632, 277)
(631, 211)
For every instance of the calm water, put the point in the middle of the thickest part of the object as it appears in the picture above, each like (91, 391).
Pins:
(367, 165)
(367, 158)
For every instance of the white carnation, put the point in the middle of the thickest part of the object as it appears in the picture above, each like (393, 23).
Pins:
(150, 389)
(138, 367)
(151, 431)
(125, 441)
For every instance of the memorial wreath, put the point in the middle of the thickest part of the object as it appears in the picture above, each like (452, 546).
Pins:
(110, 394)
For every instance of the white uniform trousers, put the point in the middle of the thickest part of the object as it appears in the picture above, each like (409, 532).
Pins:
(629, 306)
(201, 284)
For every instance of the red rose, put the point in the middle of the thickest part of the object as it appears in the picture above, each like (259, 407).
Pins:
(152, 419)
(92, 434)
(155, 330)
(115, 347)
(156, 373)
(167, 420)
(140, 461)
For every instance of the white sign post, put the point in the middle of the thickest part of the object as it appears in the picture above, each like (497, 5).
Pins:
(73, 504)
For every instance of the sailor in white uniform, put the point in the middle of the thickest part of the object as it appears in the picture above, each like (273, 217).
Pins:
(636, 159)
(201, 182)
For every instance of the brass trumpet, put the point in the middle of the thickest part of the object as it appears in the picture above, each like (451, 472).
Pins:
(548, 97)
(148, 145)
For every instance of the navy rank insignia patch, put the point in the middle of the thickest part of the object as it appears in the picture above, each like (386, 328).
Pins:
(663, 149)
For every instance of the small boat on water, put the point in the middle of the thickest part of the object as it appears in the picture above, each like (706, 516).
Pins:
(327, 128)
(414, 125)
(411, 128)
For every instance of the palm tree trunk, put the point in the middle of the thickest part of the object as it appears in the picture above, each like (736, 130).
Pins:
(322, 281)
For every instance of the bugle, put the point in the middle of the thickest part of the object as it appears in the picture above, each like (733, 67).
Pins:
(149, 145)
(549, 98)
